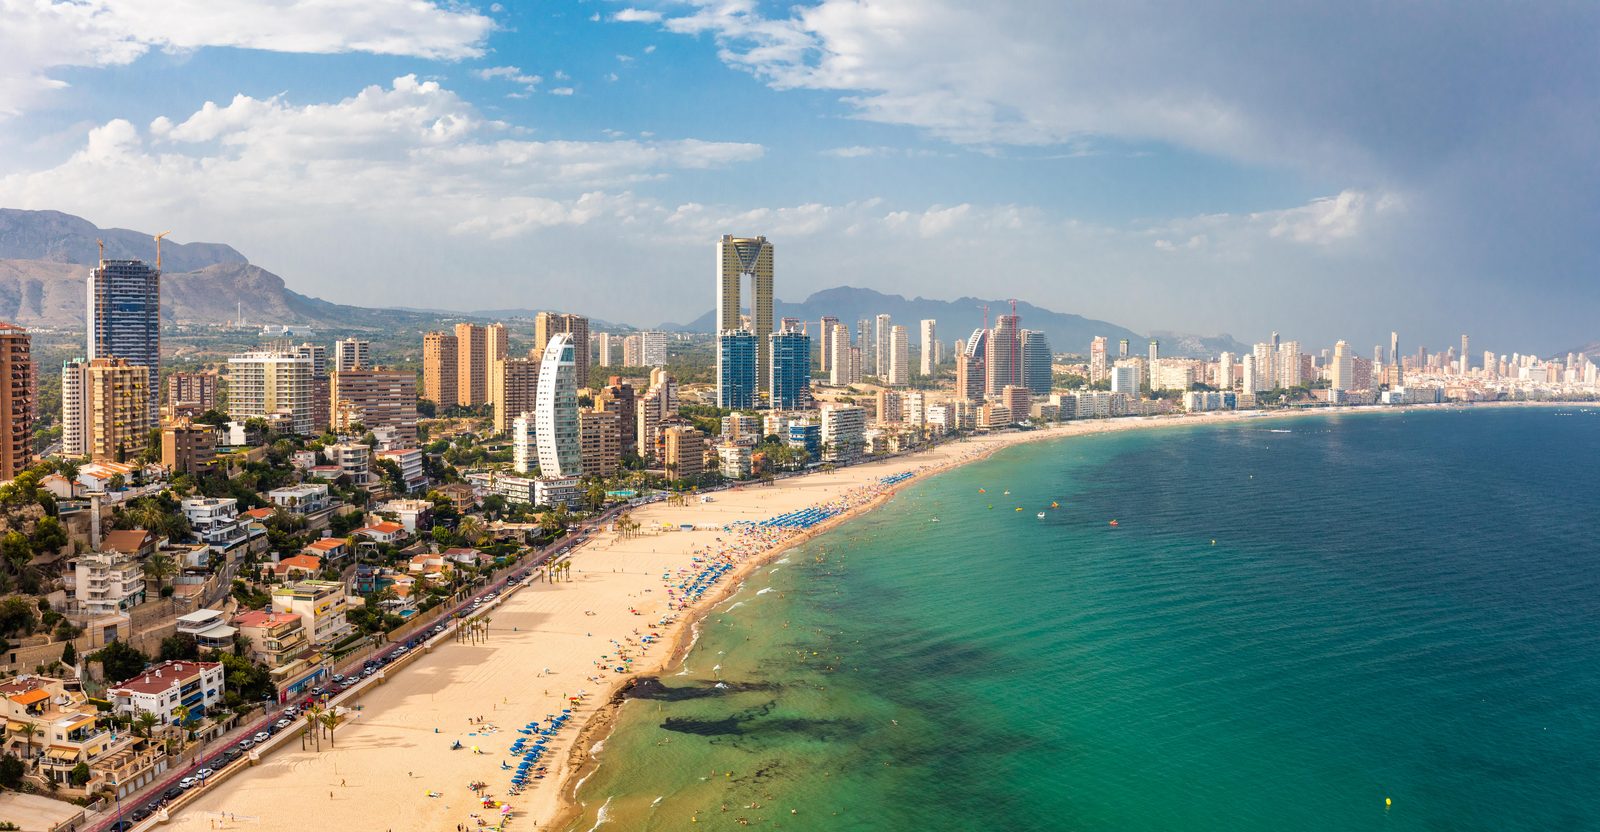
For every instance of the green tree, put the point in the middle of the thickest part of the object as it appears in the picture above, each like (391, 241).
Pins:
(11, 771)
(158, 568)
(80, 775)
(17, 616)
(180, 646)
(244, 677)
(121, 662)
(145, 724)
(69, 655)
(48, 536)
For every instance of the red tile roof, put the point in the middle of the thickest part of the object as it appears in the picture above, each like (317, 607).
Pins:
(163, 676)
(327, 544)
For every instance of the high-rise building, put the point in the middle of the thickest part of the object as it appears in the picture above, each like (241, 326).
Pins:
(929, 346)
(321, 415)
(972, 367)
(1037, 375)
(825, 340)
(125, 317)
(1125, 378)
(547, 325)
(351, 353)
(1266, 365)
(317, 353)
(865, 342)
(472, 364)
(898, 350)
(843, 432)
(891, 407)
(839, 353)
(789, 388)
(1289, 365)
(1341, 370)
(1225, 371)
(191, 394)
(1248, 383)
(1122, 348)
(683, 452)
(556, 409)
(439, 368)
(188, 448)
(882, 344)
(633, 351)
(1466, 355)
(16, 400)
(652, 349)
(1017, 400)
(1097, 358)
(736, 369)
(1004, 354)
(603, 344)
(617, 397)
(1155, 351)
(514, 385)
(599, 442)
(105, 409)
(524, 446)
(379, 400)
(658, 404)
(741, 259)
(272, 384)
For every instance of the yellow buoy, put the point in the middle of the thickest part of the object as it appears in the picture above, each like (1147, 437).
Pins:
(1387, 803)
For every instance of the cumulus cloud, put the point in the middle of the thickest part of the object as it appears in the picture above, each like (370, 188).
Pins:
(39, 37)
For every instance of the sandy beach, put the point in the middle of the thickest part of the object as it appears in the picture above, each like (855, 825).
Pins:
(392, 767)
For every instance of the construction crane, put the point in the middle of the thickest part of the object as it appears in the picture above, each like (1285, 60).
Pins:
(985, 308)
(158, 248)
(102, 244)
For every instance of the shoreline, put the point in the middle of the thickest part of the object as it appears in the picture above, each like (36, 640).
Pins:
(402, 728)
(583, 758)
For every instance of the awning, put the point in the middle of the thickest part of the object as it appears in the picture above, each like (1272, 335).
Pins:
(60, 752)
(32, 696)
(16, 726)
(218, 632)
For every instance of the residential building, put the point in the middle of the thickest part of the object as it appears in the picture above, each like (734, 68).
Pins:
(840, 367)
(789, 388)
(17, 383)
(556, 409)
(825, 343)
(375, 399)
(351, 354)
(972, 367)
(633, 351)
(891, 408)
(684, 452)
(276, 638)
(162, 689)
(208, 628)
(328, 549)
(741, 260)
(1018, 400)
(191, 394)
(354, 460)
(547, 325)
(897, 348)
(603, 344)
(1341, 370)
(658, 404)
(440, 384)
(1125, 378)
(124, 318)
(68, 730)
(320, 605)
(412, 515)
(305, 498)
(617, 397)
(600, 442)
(736, 368)
(843, 428)
(993, 415)
(106, 583)
(188, 448)
(807, 435)
(1004, 358)
(741, 427)
(733, 461)
(476, 346)
(413, 476)
(1036, 363)
(273, 384)
(929, 346)
(882, 337)
(213, 521)
(524, 443)
(513, 390)
(105, 409)
(652, 349)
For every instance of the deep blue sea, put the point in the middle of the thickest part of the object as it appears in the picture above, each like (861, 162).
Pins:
(1292, 621)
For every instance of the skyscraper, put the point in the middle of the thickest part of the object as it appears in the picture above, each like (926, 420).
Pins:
(1122, 348)
(1036, 363)
(1004, 357)
(439, 369)
(547, 325)
(351, 353)
(929, 346)
(825, 341)
(16, 400)
(617, 397)
(379, 400)
(602, 351)
(600, 442)
(898, 350)
(272, 384)
(865, 343)
(740, 259)
(1466, 356)
(513, 389)
(472, 364)
(125, 317)
(790, 360)
(105, 409)
(1097, 358)
(839, 355)
(652, 349)
(882, 344)
(736, 369)
(1225, 371)
(1289, 365)
(972, 367)
(556, 409)
(1341, 370)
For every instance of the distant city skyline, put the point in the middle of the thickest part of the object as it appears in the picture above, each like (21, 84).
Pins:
(1229, 170)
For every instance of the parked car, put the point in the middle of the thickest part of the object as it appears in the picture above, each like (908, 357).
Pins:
(262, 736)
(204, 773)
(188, 783)
(283, 723)
(172, 794)
(247, 743)
(120, 826)
(141, 813)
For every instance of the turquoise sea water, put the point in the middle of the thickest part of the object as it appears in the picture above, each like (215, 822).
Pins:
(1400, 605)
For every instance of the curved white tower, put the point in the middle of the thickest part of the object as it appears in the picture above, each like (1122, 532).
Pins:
(556, 410)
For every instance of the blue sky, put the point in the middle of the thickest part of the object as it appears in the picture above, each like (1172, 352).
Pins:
(1324, 170)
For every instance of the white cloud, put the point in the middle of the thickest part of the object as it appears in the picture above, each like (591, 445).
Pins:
(41, 36)
(509, 73)
(561, 91)
(637, 16)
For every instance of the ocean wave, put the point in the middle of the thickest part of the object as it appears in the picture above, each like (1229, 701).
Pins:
(600, 817)
(764, 591)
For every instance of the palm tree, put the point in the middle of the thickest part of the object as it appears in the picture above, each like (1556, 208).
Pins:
(330, 720)
(146, 723)
(313, 717)
(180, 716)
(472, 530)
(158, 567)
(28, 732)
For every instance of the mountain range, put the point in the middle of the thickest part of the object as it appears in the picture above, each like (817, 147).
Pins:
(45, 257)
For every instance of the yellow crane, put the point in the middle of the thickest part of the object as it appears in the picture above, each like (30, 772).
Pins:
(158, 248)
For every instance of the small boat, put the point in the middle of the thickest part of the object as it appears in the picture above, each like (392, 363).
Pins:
(1008, 493)
(1055, 505)
(1113, 522)
(1019, 508)
(1041, 515)
(983, 491)
(934, 520)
